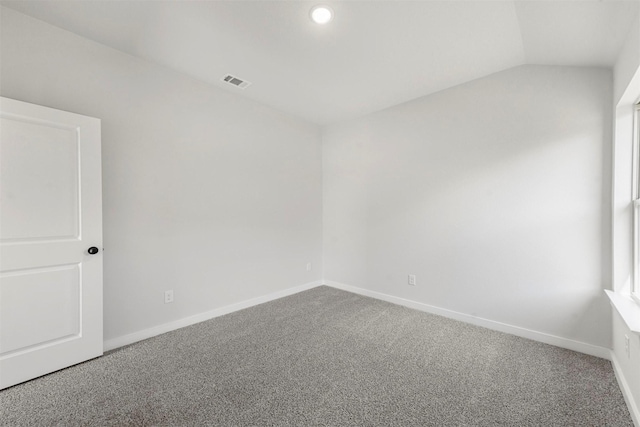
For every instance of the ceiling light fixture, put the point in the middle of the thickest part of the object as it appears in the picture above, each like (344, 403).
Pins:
(321, 14)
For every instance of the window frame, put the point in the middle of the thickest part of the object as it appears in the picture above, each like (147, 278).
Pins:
(635, 205)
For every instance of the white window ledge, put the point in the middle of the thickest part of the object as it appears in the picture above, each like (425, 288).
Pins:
(628, 309)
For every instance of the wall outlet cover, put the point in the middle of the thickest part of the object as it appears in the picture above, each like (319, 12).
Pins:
(168, 297)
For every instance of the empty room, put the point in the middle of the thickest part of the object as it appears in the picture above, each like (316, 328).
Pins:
(340, 213)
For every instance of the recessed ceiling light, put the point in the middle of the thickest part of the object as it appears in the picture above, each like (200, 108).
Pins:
(321, 14)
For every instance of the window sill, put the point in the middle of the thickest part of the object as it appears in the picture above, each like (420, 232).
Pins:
(628, 309)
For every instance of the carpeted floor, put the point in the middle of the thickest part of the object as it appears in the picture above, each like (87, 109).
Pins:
(325, 357)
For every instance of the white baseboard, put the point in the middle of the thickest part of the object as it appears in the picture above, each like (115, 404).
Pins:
(201, 317)
(578, 346)
(626, 390)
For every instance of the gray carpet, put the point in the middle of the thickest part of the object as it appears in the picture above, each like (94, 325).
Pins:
(325, 357)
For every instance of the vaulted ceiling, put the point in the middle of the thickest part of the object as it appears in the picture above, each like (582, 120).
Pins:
(374, 54)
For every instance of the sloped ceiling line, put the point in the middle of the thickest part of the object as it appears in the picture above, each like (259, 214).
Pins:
(373, 55)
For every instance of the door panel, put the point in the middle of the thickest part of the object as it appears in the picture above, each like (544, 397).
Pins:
(37, 157)
(49, 295)
(50, 214)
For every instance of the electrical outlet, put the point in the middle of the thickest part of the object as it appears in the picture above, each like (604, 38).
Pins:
(168, 296)
(309, 266)
(626, 346)
(412, 279)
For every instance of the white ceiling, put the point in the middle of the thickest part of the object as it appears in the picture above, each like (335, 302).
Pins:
(374, 54)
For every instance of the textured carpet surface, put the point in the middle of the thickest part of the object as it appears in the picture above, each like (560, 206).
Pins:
(325, 357)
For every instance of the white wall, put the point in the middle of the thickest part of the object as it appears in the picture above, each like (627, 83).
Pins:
(494, 194)
(626, 94)
(628, 61)
(205, 193)
(626, 367)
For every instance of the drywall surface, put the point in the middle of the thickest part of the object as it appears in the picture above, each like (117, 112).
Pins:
(205, 193)
(626, 359)
(628, 60)
(495, 194)
(626, 95)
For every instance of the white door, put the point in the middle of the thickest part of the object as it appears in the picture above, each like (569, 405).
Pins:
(50, 216)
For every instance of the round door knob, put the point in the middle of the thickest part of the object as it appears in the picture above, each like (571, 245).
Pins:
(92, 250)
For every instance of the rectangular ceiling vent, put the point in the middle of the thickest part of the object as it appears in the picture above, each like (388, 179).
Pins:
(232, 80)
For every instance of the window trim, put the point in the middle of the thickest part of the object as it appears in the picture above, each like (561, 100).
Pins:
(635, 205)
